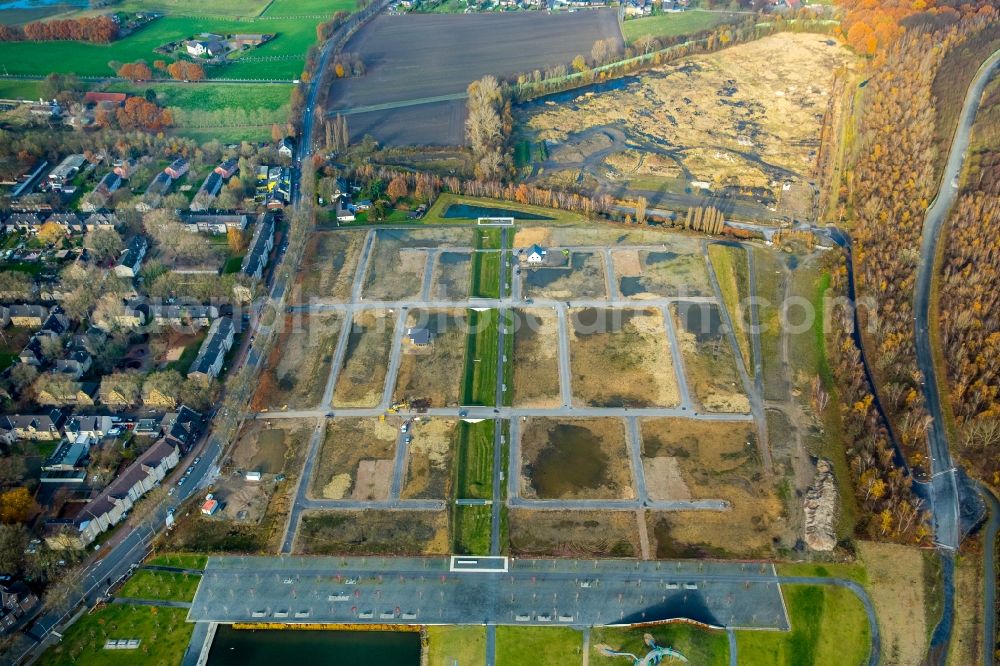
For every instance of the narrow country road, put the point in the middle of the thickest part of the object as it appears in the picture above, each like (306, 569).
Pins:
(944, 484)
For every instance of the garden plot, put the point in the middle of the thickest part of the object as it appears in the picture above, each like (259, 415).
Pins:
(452, 276)
(356, 460)
(299, 364)
(373, 532)
(575, 459)
(694, 459)
(745, 117)
(361, 381)
(329, 265)
(565, 276)
(433, 372)
(676, 270)
(708, 359)
(537, 533)
(621, 358)
(429, 458)
(536, 361)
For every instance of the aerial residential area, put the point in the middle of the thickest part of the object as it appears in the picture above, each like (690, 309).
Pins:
(499, 332)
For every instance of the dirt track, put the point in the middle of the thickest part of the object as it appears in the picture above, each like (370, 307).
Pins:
(427, 55)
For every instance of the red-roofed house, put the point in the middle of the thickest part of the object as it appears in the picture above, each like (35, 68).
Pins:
(114, 99)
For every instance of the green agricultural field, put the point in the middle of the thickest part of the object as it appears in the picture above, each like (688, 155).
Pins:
(160, 585)
(198, 7)
(14, 89)
(163, 634)
(213, 96)
(309, 7)
(673, 24)
(828, 627)
(294, 37)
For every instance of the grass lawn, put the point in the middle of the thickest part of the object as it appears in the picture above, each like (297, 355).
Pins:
(855, 572)
(828, 627)
(224, 135)
(673, 24)
(472, 529)
(539, 646)
(294, 37)
(180, 560)
(14, 89)
(232, 265)
(701, 646)
(162, 585)
(190, 352)
(731, 269)
(163, 633)
(435, 213)
(197, 7)
(456, 646)
(214, 96)
(474, 463)
(480, 381)
(486, 265)
(325, 8)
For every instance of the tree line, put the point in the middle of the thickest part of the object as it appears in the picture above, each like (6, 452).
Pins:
(100, 30)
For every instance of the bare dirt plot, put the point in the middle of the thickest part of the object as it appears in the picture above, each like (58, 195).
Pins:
(575, 459)
(621, 358)
(580, 275)
(676, 270)
(355, 460)
(896, 585)
(536, 362)
(362, 378)
(744, 117)
(708, 359)
(452, 276)
(328, 267)
(299, 364)
(573, 533)
(715, 460)
(603, 236)
(434, 372)
(420, 56)
(429, 457)
(398, 261)
(373, 533)
(528, 236)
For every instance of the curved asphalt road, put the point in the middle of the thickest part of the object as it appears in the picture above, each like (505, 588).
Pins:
(944, 487)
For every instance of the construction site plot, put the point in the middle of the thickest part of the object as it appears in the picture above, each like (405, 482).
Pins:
(373, 532)
(655, 273)
(565, 275)
(452, 276)
(329, 266)
(709, 363)
(396, 268)
(431, 371)
(581, 534)
(361, 381)
(621, 358)
(586, 236)
(356, 460)
(299, 363)
(429, 458)
(536, 359)
(575, 459)
(700, 459)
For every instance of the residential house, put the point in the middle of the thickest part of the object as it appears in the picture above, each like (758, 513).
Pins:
(249, 40)
(536, 254)
(194, 316)
(210, 507)
(125, 168)
(68, 456)
(344, 214)
(28, 316)
(105, 99)
(136, 314)
(66, 171)
(23, 222)
(81, 394)
(76, 365)
(16, 604)
(286, 148)
(279, 187)
(71, 222)
(148, 427)
(183, 427)
(32, 352)
(216, 224)
(228, 168)
(158, 187)
(102, 220)
(211, 48)
(95, 427)
(418, 337)
(109, 184)
(43, 427)
(213, 350)
(177, 168)
(56, 323)
(131, 258)
(207, 192)
(26, 183)
(260, 247)
(107, 509)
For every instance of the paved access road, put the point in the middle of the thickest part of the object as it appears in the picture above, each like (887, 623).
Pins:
(945, 501)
